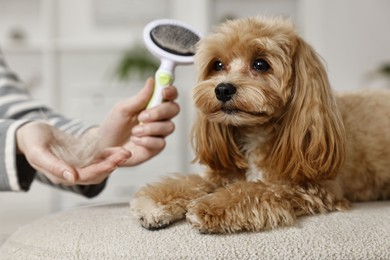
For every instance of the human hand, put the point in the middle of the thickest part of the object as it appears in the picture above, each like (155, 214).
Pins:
(36, 140)
(140, 131)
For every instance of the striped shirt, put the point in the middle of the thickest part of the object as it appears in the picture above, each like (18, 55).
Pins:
(17, 107)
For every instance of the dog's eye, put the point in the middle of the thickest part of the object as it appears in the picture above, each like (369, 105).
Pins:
(260, 65)
(218, 65)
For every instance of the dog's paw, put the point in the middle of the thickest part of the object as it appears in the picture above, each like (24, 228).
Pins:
(152, 215)
(207, 219)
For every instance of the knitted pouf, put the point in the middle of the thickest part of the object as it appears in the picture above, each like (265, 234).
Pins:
(110, 232)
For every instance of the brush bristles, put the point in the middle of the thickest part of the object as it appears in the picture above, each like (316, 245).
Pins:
(175, 39)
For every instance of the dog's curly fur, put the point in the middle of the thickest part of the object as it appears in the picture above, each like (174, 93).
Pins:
(276, 141)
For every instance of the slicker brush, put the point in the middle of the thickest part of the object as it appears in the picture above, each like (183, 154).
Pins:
(174, 43)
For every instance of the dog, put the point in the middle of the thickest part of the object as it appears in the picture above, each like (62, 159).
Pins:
(276, 142)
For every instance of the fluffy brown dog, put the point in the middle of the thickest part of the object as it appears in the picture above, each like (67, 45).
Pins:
(276, 142)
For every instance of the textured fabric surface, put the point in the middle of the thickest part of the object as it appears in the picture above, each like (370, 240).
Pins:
(109, 232)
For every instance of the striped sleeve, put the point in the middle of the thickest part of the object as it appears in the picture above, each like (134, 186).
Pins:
(17, 107)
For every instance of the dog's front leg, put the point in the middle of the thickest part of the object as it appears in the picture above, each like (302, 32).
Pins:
(256, 206)
(160, 204)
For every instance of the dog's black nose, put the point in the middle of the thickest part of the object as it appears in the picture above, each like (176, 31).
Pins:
(225, 91)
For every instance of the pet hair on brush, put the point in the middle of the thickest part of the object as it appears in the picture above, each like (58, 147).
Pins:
(175, 39)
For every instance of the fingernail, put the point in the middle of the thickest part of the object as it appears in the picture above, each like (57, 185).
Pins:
(122, 161)
(136, 139)
(143, 117)
(127, 151)
(68, 176)
(138, 130)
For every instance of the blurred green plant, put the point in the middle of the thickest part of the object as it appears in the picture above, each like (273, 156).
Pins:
(385, 69)
(137, 62)
(379, 77)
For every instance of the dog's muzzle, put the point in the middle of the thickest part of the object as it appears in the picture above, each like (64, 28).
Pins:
(225, 91)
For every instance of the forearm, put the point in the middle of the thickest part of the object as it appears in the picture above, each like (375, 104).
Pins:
(16, 174)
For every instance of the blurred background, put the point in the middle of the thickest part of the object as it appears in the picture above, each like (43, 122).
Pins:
(72, 54)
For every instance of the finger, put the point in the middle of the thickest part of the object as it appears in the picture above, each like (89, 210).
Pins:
(46, 162)
(151, 143)
(96, 172)
(107, 152)
(162, 129)
(164, 111)
(55, 180)
(139, 101)
(135, 104)
(170, 93)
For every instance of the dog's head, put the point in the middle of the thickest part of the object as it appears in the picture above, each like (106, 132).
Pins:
(258, 72)
(244, 71)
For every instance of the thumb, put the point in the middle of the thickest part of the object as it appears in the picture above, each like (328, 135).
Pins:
(141, 99)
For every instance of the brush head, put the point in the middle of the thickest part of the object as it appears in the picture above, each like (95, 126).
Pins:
(175, 39)
(171, 40)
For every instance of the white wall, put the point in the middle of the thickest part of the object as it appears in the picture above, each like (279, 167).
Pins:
(351, 35)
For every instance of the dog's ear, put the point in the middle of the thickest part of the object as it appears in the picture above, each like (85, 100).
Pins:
(311, 143)
(214, 145)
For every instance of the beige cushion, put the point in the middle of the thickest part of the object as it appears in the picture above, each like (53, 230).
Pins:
(109, 232)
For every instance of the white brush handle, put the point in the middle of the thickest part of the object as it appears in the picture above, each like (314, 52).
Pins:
(163, 78)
